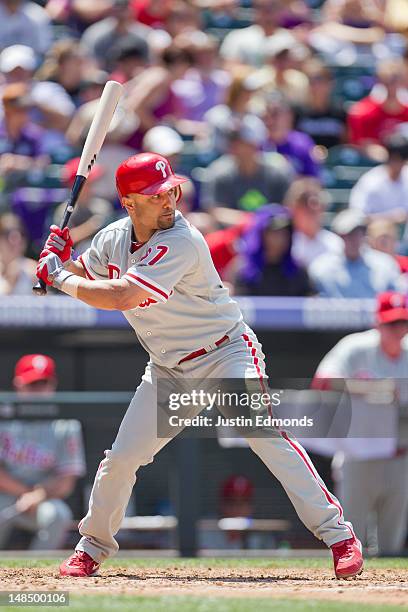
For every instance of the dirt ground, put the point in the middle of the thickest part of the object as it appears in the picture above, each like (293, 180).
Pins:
(373, 586)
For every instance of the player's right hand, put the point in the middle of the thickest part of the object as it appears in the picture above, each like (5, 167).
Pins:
(60, 243)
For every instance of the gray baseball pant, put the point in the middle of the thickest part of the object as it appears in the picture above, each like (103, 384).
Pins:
(375, 496)
(137, 443)
(49, 523)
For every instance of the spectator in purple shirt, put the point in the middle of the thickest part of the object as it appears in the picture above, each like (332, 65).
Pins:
(296, 146)
(204, 85)
(267, 266)
(20, 139)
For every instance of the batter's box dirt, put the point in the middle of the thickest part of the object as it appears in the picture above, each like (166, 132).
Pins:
(373, 586)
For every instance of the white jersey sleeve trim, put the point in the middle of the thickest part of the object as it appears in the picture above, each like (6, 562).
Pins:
(147, 284)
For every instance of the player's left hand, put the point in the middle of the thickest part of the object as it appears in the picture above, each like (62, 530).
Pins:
(48, 266)
(59, 242)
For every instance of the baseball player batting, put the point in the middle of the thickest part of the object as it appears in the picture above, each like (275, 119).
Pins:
(156, 268)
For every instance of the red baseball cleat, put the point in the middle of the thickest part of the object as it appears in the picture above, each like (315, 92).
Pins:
(348, 558)
(78, 565)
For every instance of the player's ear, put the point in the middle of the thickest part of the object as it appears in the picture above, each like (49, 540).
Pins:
(127, 203)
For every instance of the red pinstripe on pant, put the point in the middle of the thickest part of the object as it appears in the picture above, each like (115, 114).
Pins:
(296, 447)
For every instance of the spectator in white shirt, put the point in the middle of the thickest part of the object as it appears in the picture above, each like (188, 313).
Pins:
(359, 271)
(382, 234)
(383, 190)
(305, 198)
(247, 45)
(52, 106)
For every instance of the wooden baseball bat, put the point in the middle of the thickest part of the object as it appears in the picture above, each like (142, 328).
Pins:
(96, 135)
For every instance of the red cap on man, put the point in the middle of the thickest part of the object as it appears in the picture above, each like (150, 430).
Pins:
(392, 306)
(31, 368)
(147, 174)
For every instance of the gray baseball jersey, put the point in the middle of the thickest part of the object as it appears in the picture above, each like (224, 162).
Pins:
(371, 473)
(360, 356)
(189, 307)
(33, 451)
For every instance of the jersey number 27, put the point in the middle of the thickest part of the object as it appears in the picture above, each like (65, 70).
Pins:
(162, 250)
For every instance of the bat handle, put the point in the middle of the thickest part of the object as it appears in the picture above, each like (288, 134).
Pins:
(40, 288)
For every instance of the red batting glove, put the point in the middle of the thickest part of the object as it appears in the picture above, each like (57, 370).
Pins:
(59, 242)
(48, 265)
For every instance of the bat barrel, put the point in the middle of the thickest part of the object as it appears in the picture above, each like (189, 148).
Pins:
(97, 132)
(100, 126)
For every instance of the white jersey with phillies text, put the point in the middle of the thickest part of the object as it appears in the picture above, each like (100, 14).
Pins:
(189, 307)
(360, 356)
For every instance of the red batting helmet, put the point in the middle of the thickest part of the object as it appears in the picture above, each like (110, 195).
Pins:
(148, 174)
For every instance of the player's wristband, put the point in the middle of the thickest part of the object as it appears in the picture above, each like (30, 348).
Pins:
(70, 285)
(67, 282)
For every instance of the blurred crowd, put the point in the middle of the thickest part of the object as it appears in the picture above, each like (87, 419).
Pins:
(290, 117)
